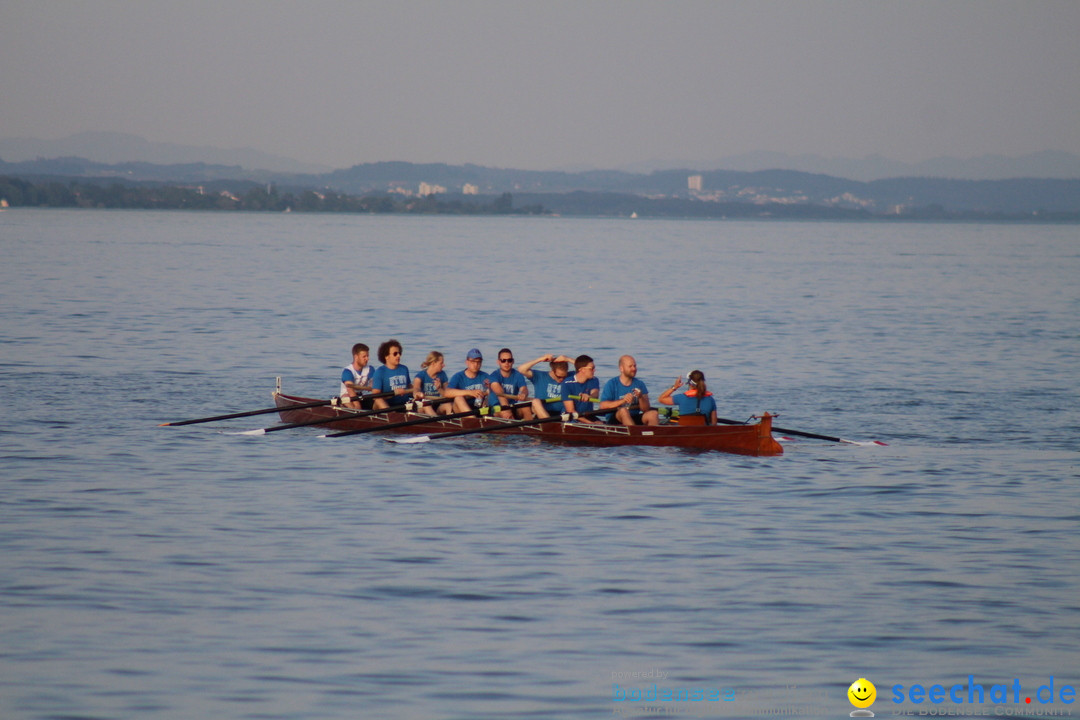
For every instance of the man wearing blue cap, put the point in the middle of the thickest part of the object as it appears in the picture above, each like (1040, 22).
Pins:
(472, 383)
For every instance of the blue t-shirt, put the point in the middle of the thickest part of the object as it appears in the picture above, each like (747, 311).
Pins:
(689, 405)
(384, 380)
(427, 383)
(545, 388)
(461, 381)
(615, 390)
(510, 385)
(572, 387)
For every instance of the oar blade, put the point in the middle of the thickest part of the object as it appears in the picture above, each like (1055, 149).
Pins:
(409, 440)
(859, 443)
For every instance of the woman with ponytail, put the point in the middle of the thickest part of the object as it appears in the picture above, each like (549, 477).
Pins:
(696, 405)
(430, 381)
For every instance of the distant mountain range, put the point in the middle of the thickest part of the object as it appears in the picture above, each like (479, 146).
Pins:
(726, 187)
(112, 148)
(1048, 164)
(683, 192)
(115, 148)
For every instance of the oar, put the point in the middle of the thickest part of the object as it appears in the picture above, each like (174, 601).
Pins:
(565, 417)
(266, 411)
(815, 436)
(351, 414)
(428, 419)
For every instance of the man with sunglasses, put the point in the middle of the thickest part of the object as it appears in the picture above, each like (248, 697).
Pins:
(508, 386)
(472, 383)
(392, 376)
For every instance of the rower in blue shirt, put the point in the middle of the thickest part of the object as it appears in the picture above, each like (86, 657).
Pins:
(696, 405)
(547, 386)
(470, 385)
(392, 376)
(430, 383)
(579, 391)
(508, 386)
(628, 397)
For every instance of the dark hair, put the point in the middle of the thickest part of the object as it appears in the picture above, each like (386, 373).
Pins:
(384, 349)
(582, 361)
(697, 379)
(359, 347)
(504, 350)
(560, 365)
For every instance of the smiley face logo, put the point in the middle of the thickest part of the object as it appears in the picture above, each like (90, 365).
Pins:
(862, 693)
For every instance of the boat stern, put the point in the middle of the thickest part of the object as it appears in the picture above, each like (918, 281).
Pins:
(767, 444)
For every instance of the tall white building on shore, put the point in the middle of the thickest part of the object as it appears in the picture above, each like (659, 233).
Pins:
(430, 189)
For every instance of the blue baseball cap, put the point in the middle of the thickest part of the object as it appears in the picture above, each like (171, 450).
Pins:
(474, 354)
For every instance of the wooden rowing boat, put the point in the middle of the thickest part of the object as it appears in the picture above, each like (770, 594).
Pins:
(755, 439)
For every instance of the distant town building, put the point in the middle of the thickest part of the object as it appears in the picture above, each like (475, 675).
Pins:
(429, 189)
(470, 189)
(694, 182)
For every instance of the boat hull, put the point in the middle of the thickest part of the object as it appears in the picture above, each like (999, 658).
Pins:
(755, 439)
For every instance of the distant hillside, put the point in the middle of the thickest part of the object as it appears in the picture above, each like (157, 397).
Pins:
(372, 177)
(785, 187)
(114, 148)
(77, 167)
(108, 148)
(1049, 164)
(715, 192)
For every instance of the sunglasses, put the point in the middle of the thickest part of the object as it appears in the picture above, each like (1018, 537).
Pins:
(509, 359)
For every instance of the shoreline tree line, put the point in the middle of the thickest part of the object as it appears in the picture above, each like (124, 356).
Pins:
(226, 195)
(119, 196)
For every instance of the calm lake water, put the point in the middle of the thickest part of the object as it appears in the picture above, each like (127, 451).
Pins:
(150, 572)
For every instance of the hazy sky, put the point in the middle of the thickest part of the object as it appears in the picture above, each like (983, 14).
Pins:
(544, 84)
